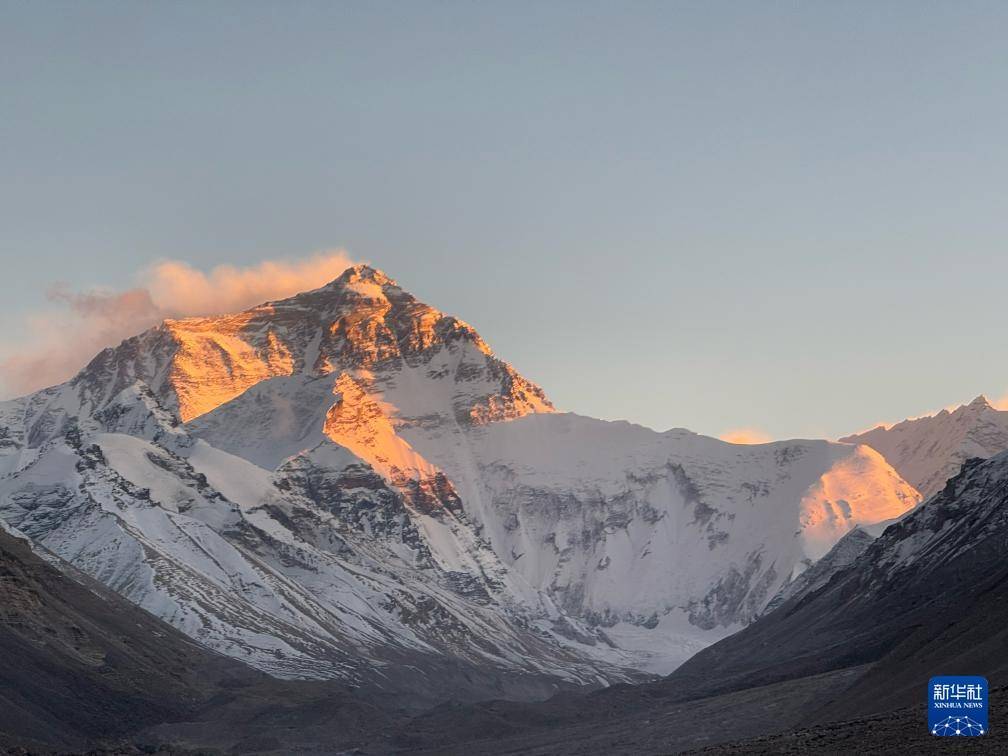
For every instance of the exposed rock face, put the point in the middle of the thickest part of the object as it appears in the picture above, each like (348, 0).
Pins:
(348, 482)
(664, 540)
(842, 555)
(929, 596)
(82, 665)
(362, 323)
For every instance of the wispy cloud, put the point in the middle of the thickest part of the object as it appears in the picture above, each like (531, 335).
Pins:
(746, 436)
(179, 288)
(57, 342)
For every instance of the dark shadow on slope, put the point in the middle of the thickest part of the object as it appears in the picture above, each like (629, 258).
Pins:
(900, 731)
(83, 668)
(929, 597)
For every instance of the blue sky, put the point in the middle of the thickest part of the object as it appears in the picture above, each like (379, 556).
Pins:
(778, 215)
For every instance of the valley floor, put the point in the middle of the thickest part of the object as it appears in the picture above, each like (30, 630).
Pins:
(898, 732)
(631, 723)
(753, 721)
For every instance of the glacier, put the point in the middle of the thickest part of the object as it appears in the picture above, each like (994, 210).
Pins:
(349, 484)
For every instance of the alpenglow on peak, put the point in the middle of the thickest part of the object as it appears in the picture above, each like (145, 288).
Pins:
(362, 324)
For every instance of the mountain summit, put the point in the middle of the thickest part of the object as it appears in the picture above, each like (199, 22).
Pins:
(927, 451)
(362, 324)
(349, 484)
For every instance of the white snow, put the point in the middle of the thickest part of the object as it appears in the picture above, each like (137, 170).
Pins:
(927, 451)
(305, 518)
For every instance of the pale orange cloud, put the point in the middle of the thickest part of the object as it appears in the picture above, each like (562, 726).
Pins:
(745, 436)
(179, 288)
(58, 342)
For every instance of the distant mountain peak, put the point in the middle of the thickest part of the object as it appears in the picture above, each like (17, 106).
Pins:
(362, 272)
(348, 480)
(980, 403)
(356, 285)
(362, 323)
(929, 450)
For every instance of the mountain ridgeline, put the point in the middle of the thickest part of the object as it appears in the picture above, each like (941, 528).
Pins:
(327, 485)
(840, 667)
(927, 451)
(349, 487)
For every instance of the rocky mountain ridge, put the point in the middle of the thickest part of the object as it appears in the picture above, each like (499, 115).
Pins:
(349, 484)
(841, 666)
(929, 450)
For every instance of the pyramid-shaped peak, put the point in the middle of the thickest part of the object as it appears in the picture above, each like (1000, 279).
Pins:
(361, 321)
(980, 402)
(364, 273)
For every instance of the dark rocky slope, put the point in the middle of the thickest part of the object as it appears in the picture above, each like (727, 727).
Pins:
(893, 732)
(929, 597)
(840, 668)
(84, 668)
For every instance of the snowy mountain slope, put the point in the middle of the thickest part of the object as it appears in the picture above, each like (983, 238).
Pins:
(929, 596)
(318, 572)
(843, 554)
(85, 671)
(348, 483)
(669, 540)
(928, 451)
(272, 421)
(568, 466)
(362, 323)
(80, 664)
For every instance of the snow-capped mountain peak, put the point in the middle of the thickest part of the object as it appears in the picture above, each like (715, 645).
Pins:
(929, 450)
(332, 483)
(362, 323)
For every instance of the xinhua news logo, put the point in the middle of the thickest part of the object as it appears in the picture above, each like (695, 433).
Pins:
(957, 706)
